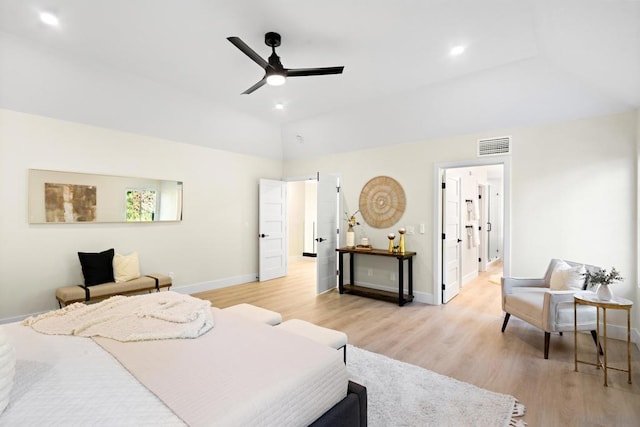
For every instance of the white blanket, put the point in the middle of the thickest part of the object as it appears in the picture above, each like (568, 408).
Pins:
(160, 315)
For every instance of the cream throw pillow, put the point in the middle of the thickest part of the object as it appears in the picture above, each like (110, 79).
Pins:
(126, 267)
(564, 277)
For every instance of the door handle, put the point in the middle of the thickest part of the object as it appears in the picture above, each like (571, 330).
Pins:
(320, 239)
(488, 226)
(459, 240)
(263, 235)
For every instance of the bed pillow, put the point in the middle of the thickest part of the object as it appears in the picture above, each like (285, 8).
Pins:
(7, 370)
(565, 277)
(126, 267)
(97, 268)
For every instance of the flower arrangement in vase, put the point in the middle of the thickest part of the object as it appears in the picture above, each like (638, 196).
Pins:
(603, 279)
(351, 234)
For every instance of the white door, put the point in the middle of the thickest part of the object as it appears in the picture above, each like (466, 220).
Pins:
(272, 230)
(327, 240)
(451, 228)
(494, 225)
(482, 257)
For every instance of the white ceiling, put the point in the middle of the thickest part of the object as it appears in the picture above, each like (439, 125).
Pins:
(526, 62)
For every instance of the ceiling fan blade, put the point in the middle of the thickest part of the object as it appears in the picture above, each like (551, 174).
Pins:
(298, 72)
(248, 51)
(255, 86)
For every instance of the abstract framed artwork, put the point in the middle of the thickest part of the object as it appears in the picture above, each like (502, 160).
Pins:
(70, 202)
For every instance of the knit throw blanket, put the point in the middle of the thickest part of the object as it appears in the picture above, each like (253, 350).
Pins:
(155, 316)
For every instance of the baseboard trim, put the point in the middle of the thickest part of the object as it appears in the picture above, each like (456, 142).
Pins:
(215, 284)
(21, 317)
(635, 337)
(469, 277)
(619, 332)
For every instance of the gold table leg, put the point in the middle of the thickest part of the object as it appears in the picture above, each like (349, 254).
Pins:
(604, 326)
(575, 335)
(629, 343)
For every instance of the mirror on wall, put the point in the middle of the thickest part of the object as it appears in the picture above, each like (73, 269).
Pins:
(70, 197)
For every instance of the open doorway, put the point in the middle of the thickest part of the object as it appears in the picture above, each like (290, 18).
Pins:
(288, 227)
(471, 216)
(302, 220)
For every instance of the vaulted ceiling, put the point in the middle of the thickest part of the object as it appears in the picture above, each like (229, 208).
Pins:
(164, 68)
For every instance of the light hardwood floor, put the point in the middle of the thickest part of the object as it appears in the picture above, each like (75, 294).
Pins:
(462, 339)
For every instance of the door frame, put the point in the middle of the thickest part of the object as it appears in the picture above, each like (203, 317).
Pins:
(437, 215)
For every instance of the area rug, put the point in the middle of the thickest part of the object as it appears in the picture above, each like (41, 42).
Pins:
(400, 394)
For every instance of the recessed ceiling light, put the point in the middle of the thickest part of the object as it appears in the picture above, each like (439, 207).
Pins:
(456, 50)
(279, 106)
(49, 19)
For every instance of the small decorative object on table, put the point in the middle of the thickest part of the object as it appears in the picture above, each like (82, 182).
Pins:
(364, 245)
(391, 238)
(351, 234)
(604, 281)
(402, 231)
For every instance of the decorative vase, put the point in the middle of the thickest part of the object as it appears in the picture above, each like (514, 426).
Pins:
(351, 238)
(604, 292)
(401, 249)
(391, 238)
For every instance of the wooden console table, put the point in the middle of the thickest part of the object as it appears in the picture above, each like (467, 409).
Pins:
(401, 298)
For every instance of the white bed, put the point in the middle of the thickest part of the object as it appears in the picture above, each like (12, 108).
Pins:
(239, 373)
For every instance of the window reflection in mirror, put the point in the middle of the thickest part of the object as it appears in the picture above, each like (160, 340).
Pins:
(69, 197)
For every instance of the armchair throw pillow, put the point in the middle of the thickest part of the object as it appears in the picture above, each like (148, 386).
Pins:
(565, 277)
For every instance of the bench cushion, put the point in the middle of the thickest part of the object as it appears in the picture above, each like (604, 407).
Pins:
(69, 294)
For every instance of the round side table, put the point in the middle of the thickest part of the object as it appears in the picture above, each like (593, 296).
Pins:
(617, 303)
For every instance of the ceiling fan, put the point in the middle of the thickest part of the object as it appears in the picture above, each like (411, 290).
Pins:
(275, 73)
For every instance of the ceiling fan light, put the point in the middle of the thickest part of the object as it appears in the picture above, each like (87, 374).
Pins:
(275, 79)
(457, 50)
(49, 19)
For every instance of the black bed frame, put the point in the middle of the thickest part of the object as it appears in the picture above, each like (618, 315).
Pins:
(349, 412)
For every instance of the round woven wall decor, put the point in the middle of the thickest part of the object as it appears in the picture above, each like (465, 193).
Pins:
(382, 202)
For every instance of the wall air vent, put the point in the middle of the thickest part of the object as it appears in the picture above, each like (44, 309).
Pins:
(494, 146)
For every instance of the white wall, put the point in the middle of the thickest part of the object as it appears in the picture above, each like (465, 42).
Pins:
(52, 83)
(573, 195)
(214, 244)
(636, 307)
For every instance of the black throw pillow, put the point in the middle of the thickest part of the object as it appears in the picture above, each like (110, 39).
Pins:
(97, 268)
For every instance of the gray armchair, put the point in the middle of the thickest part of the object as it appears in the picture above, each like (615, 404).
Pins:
(535, 302)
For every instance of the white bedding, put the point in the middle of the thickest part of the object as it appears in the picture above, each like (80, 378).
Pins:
(239, 373)
(71, 381)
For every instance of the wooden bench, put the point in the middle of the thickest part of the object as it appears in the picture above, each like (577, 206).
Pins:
(81, 293)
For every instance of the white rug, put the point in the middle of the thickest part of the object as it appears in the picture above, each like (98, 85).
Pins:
(400, 394)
